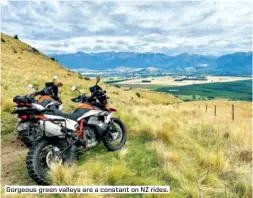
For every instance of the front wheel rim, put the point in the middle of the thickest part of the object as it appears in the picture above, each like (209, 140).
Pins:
(115, 137)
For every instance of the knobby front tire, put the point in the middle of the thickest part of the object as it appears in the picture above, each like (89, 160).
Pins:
(106, 141)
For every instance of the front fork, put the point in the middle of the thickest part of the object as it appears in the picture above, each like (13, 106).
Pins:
(114, 132)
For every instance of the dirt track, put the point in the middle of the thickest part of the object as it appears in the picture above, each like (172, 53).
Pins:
(13, 168)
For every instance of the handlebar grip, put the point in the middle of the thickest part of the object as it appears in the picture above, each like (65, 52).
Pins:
(77, 99)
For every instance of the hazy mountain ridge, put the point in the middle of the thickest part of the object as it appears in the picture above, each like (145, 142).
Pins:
(230, 64)
(239, 62)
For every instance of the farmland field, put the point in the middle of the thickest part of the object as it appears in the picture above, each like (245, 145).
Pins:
(170, 81)
(238, 90)
(214, 87)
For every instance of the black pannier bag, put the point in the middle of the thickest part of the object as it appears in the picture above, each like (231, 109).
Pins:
(23, 99)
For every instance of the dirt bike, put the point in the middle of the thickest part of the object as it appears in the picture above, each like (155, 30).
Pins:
(64, 135)
(28, 127)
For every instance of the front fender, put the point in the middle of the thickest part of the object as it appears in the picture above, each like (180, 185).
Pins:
(111, 109)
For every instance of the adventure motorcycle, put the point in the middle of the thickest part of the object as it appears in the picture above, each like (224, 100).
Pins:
(64, 135)
(28, 127)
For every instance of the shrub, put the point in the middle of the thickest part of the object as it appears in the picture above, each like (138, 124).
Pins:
(5, 87)
(86, 78)
(14, 50)
(2, 40)
(34, 50)
(138, 94)
(240, 189)
(16, 37)
(80, 75)
(52, 58)
(245, 155)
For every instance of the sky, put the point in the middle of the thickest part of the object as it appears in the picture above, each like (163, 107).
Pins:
(170, 27)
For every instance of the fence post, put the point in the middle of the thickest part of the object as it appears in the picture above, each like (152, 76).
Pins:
(215, 112)
(233, 112)
(206, 108)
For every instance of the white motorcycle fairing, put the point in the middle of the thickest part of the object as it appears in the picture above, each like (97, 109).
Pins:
(54, 128)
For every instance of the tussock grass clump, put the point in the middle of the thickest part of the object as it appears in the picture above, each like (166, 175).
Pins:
(211, 179)
(7, 105)
(165, 154)
(122, 153)
(95, 170)
(246, 155)
(61, 175)
(214, 161)
(115, 173)
(240, 189)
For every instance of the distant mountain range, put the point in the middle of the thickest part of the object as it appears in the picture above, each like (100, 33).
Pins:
(239, 63)
(231, 64)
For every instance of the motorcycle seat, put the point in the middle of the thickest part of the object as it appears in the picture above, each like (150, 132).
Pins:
(73, 116)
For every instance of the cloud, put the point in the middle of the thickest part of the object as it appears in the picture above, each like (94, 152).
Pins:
(171, 27)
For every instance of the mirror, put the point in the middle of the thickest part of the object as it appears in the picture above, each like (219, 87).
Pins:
(73, 88)
(30, 86)
(55, 77)
(98, 79)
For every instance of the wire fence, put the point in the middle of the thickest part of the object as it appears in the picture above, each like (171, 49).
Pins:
(227, 112)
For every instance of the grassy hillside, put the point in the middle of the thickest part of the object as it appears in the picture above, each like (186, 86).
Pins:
(169, 143)
(22, 65)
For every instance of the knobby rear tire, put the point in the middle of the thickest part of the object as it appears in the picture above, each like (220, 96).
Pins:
(32, 160)
(32, 163)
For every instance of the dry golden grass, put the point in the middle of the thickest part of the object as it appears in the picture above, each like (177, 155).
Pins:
(7, 105)
(122, 153)
(197, 152)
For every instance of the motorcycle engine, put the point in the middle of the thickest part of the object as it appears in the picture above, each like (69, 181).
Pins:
(90, 137)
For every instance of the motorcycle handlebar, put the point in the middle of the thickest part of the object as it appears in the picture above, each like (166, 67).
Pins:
(43, 91)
